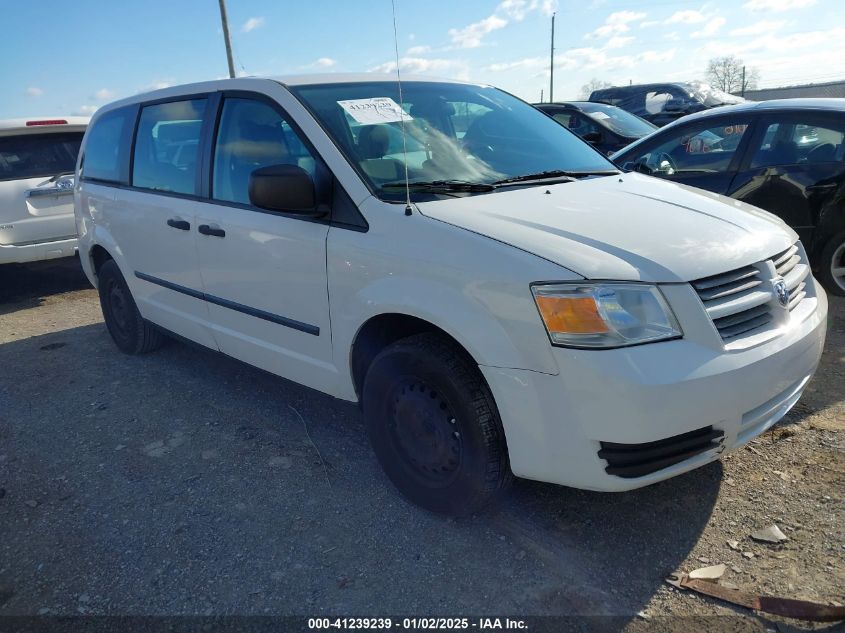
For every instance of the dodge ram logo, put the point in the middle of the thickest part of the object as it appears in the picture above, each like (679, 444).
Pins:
(781, 292)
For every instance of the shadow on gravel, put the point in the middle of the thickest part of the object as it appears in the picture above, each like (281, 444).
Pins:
(184, 481)
(25, 285)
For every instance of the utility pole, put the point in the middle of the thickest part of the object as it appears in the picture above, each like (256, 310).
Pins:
(541, 95)
(225, 20)
(552, 65)
(742, 90)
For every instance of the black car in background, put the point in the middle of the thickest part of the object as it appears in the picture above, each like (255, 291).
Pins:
(665, 102)
(605, 127)
(785, 156)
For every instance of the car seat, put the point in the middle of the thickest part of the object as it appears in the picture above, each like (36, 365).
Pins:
(373, 146)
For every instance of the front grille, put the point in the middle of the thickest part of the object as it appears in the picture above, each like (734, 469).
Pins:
(636, 460)
(740, 302)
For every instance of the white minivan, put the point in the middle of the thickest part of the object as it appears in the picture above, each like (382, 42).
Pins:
(494, 293)
(37, 161)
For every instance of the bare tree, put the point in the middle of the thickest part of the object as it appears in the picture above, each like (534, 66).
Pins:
(593, 84)
(726, 73)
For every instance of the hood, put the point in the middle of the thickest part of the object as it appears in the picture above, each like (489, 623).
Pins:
(625, 227)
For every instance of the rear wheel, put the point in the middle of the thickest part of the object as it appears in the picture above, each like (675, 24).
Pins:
(434, 425)
(130, 332)
(832, 265)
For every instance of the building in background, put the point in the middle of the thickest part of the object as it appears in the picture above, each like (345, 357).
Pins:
(827, 89)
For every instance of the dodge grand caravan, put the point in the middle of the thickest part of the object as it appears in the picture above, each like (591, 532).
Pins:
(37, 159)
(494, 293)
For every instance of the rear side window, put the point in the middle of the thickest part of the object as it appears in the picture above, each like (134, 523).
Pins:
(166, 146)
(795, 141)
(106, 148)
(37, 155)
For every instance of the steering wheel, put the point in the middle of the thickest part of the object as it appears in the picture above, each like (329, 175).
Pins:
(664, 164)
(478, 149)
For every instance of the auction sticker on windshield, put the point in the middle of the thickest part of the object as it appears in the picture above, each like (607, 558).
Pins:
(375, 110)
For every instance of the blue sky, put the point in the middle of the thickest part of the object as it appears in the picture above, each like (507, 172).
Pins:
(60, 58)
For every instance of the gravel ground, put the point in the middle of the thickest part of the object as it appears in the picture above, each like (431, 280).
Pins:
(183, 482)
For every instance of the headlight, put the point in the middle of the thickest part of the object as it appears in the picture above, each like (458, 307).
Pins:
(604, 315)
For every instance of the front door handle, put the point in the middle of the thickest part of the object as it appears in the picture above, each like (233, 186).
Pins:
(182, 225)
(206, 229)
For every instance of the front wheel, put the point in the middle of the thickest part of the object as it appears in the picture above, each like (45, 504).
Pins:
(130, 332)
(434, 425)
(832, 265)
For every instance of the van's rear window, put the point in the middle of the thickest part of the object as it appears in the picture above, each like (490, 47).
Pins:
(36, 155)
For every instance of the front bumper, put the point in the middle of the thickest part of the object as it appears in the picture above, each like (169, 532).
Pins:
(21, 254)
(555, 424)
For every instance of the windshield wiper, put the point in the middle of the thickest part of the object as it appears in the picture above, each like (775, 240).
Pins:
(557, 174)
(441, 185)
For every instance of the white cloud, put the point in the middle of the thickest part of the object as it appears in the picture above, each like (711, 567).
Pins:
(325, 62)
(471, 36)
(710, 29)
(777, 5)
(618, 41)
(417, 65)
(518, 9)
(86, 110)
(252, 24)
(34, 91)
(688, 16)
(515, 9)
(585, 58)
(615, 24)
(758, 28)
(158, 84)
(528, 62)
(418, 50)
(102, 94)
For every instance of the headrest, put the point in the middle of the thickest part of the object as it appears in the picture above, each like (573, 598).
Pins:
(373, 141)
(433, 109)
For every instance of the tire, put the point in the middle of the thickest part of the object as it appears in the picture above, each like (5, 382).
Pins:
(833, 257)
(434, 426)
(130, 332)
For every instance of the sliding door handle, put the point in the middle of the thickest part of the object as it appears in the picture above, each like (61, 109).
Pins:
(216, 231)
(182, 225)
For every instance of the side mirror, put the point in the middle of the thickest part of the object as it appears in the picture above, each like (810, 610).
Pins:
(283, 188)
(592, 137)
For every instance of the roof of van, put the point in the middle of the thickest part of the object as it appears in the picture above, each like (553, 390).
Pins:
(345, 78)
(44, 123)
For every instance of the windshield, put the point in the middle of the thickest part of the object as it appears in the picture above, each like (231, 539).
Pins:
(453, 132)
(617, 119)
(36, 155)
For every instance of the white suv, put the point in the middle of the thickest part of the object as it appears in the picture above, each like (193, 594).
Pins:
(519, 306)
(37, 160)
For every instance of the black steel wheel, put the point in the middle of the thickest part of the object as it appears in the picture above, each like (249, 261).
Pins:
(130, 332)
(434, 425)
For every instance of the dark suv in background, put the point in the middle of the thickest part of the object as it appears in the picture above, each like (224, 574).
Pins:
(665, 102)
(785, 156)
